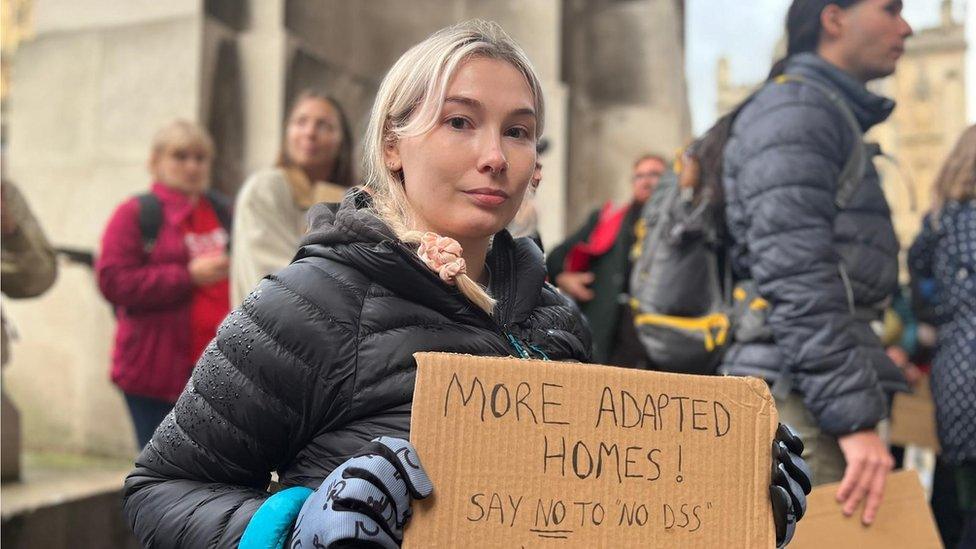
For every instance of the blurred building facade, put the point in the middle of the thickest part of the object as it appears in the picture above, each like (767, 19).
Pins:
(930, 90)
(98, 77)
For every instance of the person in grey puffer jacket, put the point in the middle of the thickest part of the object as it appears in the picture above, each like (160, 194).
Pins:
(823, 271)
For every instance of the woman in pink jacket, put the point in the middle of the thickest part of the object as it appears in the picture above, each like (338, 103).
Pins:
(163, 266)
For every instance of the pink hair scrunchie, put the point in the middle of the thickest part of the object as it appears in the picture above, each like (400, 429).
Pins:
(443, 255)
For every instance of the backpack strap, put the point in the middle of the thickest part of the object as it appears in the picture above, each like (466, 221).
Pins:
(222, 206)
(150, 219)
(151, 216)
(853, 170)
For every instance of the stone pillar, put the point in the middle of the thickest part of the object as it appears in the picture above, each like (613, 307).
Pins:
(263, 44)
(623, 62)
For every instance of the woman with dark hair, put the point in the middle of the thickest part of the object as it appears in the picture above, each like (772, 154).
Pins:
(314, 165)
(945, 251)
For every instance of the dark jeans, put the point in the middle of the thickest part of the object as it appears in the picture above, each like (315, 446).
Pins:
(147, 413)
(966, 486)
(968, 539)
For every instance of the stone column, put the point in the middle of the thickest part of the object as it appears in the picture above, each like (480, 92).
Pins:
(623, 62)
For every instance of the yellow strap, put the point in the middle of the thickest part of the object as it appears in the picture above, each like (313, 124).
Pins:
(758, 304)
(715, 322)
(640, 229)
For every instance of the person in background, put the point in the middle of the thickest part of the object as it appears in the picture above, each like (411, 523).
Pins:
(314, 165)
(593, 265)
(28, 260)
(526, 222)
(945, 251)
(163, 266)
(29, 268)
(825, 271)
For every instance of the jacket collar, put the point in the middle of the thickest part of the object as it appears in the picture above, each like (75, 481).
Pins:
(351, 233)
(868, 107)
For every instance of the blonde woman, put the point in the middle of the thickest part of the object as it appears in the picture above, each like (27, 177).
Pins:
(314, 165)
(163, 266)
(945, 251)
(313, 376)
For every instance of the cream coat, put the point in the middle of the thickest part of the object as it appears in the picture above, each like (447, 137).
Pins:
(269, 221)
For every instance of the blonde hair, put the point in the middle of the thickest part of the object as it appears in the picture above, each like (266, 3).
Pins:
(409, 102)
(957, 179)
(179, 134)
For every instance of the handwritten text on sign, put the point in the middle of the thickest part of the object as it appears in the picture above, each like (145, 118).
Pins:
(522, 451)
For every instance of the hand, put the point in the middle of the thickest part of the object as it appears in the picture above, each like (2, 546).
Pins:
(868, 465)
(576, 285)
(207, 269)
(366, 499)
(791, 483)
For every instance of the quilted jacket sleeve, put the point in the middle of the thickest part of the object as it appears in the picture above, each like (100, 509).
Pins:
(257, 395)
(791, 157)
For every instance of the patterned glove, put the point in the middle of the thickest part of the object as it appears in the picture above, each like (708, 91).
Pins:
(365, 502)
(791, 483)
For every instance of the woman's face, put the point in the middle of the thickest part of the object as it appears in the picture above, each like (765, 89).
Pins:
(465, 178)
(185, 168)
(314, 134)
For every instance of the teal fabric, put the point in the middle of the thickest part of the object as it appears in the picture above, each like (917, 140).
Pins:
(271, 524)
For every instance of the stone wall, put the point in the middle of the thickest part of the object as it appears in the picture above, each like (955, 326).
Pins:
(101, 76)
(624, 66)
(88, 92)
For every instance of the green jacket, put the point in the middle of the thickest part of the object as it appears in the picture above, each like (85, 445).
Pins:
(611, 272)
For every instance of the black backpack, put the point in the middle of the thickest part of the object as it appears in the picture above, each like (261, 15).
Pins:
(151, 215)
(686, 311)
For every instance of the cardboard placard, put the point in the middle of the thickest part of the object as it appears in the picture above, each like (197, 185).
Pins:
(904, 519)
(526, 453)
(913, 418)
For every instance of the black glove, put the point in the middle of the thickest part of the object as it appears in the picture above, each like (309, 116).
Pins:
(365, 502)
(791, 482)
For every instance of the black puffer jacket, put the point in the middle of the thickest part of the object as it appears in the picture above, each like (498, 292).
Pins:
(781, 170)
(316, 362)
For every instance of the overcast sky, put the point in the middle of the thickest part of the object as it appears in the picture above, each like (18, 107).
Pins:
(746, 32)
